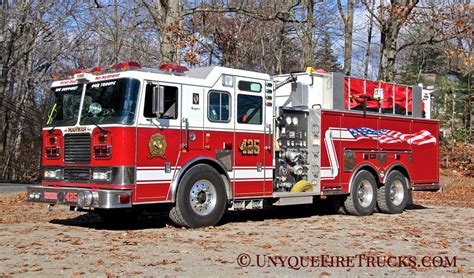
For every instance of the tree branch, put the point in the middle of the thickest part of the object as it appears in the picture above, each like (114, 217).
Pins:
(366, 5)
(284, 16)
(341, 11)
(431, 40)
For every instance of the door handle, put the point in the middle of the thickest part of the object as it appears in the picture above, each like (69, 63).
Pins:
(186, 133)
(268, 146)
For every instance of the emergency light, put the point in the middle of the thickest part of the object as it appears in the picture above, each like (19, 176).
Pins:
(174, 68)
(126, 66)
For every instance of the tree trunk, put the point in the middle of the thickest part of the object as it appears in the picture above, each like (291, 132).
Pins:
(388, 52)
(307, 40)
(391, 21)
(169, 14)
(348, 20)
(116, 35)
(369, 42)
(3, 76)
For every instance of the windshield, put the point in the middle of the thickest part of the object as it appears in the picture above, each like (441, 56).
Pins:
(63, 105)
(110, 102)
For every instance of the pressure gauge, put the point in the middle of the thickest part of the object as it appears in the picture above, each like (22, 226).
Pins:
(288, 120)
(295, 120)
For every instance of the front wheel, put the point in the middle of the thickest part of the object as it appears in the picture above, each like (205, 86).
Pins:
(393, 196)
(200, 199)
(362, 198)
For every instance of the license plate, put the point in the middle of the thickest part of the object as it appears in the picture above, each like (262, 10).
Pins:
(71, 197)
(51, 196)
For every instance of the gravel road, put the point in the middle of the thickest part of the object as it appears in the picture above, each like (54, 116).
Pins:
(425, 240)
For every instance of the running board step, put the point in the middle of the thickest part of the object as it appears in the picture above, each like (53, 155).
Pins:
(293, 201)
(247, 204)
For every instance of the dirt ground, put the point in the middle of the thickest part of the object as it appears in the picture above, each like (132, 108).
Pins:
(433, 237)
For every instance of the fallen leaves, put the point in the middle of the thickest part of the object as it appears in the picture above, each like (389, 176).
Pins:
(457, 192)
(161, 262)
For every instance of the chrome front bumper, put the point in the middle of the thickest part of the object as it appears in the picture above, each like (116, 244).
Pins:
(80, 197)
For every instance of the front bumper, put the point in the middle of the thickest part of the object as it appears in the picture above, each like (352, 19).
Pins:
(73, 196)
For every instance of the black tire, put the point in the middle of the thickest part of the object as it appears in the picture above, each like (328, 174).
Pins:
(354, 204)
(186, 212)
(392, 197)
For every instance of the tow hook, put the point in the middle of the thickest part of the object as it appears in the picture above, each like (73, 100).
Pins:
(50, 207)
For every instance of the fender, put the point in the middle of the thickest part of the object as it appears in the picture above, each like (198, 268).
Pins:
(197, 160)
(357, 169)
(403, 167)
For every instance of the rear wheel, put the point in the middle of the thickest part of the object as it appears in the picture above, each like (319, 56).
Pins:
(393, 196)
(362, 198)
(200, 199)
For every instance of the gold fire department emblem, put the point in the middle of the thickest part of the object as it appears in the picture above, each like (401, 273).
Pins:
(157, 146)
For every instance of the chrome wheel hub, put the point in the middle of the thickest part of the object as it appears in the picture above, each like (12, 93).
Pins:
(202, 197)
(365, 193)
(396, 192)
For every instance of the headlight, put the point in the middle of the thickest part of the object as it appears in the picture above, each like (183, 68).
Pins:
(54, 174)
(85, 198)
(102, 174)
(288, 120)
(295, 120)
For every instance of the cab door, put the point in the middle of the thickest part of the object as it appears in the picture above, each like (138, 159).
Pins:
(158, 143)
(249, 139)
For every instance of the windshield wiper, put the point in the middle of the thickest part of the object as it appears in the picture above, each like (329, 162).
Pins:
(98, 126)
(50, 118)
(51, 130)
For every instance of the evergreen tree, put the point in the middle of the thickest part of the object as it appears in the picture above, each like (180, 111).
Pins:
(324, 57)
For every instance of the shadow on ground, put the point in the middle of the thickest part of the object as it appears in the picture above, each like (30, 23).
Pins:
(148, 220)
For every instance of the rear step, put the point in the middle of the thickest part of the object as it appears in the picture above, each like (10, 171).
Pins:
(247, 204)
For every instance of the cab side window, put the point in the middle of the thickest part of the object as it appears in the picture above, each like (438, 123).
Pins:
(218, 106)
(249, 109)
(250, 86)
(170, 102)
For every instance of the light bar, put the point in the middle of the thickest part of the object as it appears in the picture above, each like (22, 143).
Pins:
(126, 65)
(97, 70)
(76, 71)
(173, 67)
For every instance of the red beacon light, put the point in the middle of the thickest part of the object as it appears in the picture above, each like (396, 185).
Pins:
(72, 73)
(174, 68)
(76, 71)
(97, 70)
(126, 66)
(314, 70)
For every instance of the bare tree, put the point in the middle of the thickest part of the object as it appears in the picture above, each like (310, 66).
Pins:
(168, 15)
(369, 40)
(33, 40)
(348, 22)
(391, 19)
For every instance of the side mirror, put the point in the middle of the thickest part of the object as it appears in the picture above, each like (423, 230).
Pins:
(158, 105)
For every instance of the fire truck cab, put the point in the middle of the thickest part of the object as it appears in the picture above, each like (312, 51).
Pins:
(212, 139)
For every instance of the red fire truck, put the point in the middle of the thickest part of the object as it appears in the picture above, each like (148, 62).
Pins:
(206, 140)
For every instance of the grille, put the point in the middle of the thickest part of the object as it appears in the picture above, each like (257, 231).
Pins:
(77, 148)
(77, 174)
